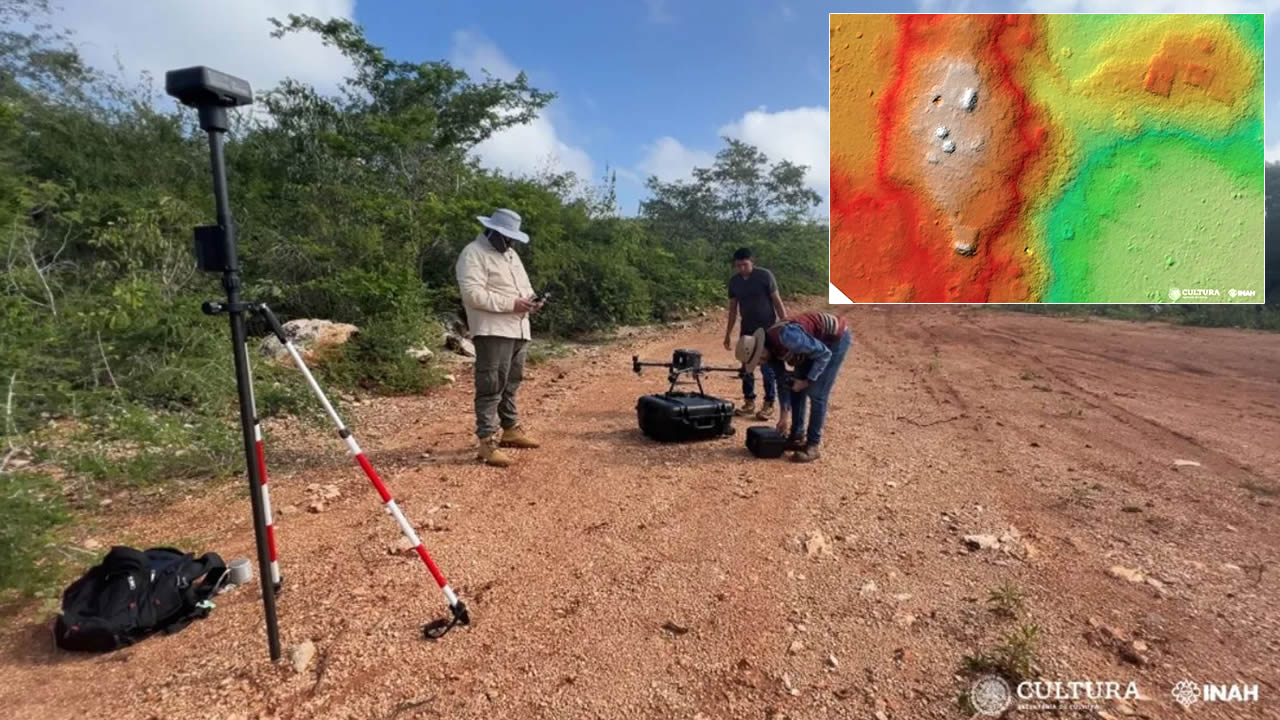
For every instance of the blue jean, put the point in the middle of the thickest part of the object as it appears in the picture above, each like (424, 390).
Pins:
(770, 384)
(817, 394)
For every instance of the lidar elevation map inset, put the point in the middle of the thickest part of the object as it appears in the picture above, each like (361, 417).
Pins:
(1047, 158)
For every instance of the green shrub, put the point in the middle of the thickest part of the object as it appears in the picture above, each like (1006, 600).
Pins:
(31, 509)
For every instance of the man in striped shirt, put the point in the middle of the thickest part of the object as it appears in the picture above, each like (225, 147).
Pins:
(815, 344)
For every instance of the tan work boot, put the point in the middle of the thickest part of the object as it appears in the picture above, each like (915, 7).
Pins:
(748, 408)
(516, 437)
(766, 411)
(807, 455)
(490, 453)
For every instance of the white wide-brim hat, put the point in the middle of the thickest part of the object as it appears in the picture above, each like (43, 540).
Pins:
(750, 349)
(506, 222)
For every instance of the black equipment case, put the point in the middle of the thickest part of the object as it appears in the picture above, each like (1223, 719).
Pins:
(677, 416)
(765, 442)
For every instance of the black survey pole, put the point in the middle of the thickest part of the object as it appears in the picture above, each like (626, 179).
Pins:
(231, 283)
(211, 93)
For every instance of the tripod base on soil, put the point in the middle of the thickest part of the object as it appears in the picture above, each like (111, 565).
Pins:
(433, 630)
(436, 629)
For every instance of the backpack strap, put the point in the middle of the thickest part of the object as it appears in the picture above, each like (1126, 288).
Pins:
(215, 572)
(195, 596)
(212, 568)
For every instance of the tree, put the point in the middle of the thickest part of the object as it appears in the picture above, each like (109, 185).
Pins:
(739, 188)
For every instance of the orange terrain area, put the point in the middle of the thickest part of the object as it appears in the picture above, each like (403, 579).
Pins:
(912, 233)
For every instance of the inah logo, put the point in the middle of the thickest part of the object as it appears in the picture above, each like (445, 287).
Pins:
(1186, 693)
(990, 695)
(1229, 693)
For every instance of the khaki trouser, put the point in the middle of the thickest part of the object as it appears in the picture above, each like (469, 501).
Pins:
(499, 370)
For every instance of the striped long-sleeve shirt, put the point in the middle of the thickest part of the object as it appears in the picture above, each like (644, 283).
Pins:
(804, 342)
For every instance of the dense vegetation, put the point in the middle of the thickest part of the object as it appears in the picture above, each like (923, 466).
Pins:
(351, 207)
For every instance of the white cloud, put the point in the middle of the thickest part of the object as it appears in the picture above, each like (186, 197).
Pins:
(1273, 152)
(528, 149)
(658, 12)
(475, 53)
(947, 5)
(1098, 6)
(801, 135)
(231, 35)
(523, 149)
(628, 176)
(1148, 6)
(669, 160)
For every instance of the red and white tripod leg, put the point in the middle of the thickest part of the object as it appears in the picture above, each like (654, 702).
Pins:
(456, 606)
(262, 488)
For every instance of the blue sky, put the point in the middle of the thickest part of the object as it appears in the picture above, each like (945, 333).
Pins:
(644, 86)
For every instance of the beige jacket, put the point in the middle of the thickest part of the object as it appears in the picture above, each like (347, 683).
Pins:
(490, 282)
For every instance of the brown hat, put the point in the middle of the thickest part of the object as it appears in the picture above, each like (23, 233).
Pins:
(750, 349)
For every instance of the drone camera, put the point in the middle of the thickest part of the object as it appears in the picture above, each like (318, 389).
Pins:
(686, 360)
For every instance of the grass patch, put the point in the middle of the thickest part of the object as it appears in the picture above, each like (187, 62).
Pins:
(1082, 496)
(31, 508)
(1014, 659)
(544, 351)
(136, 447)
(1006, 601)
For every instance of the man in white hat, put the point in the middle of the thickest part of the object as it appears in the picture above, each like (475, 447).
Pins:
(815, 344)
(498, 299)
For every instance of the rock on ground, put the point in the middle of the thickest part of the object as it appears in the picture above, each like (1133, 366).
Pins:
(310, 336)
(460, 345)
(816, 544)
(1123, 573)
(301, 654)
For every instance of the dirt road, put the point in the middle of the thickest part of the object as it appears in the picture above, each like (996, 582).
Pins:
(1057, 438)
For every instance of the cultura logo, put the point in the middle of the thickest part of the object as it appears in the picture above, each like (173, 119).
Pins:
(990, 695)
(1174, 294)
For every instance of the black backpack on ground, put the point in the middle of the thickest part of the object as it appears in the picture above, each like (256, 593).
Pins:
(132, 594)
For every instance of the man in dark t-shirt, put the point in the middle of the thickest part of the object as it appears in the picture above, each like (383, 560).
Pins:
(753, 294)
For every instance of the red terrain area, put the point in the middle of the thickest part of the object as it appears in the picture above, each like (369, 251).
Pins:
(891, 241)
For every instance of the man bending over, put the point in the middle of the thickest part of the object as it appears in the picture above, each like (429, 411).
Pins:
(815, 344)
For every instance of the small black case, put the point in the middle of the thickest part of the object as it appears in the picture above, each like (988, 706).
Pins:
(765, 442)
